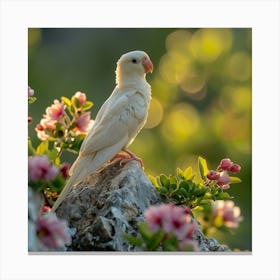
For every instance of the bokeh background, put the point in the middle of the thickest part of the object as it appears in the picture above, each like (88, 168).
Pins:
(201, 87)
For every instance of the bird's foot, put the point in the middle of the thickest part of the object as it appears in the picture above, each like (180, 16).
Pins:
(134, 157)
(128, 156)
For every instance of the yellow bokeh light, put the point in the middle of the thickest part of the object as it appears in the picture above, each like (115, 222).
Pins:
(236, 99)
(209, 43)
(173, 67)
(180, 123)
(239, 66)
(193, 84)
(179, 41)
(155, 114)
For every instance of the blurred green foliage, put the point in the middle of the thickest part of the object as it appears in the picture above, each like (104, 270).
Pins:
(201, 86)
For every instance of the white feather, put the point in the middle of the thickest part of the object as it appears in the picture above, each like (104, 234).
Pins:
(117, 123)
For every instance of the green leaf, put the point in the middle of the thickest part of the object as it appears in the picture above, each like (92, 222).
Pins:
(153, 181)
(170, 244)
(188, 173)
(135, 241)
(203, 169)
(184, 185)
(76, 144)
(87, 105)
(172, 187)
(42, 148)
(234, 180)
(173, 180)
(208, 195)
(53, 156)
(183, 192)
(144, 231)
(51, 139)
(57, 184)
(163, 190)
(223, 196)
(66, 101)
(31, 99)
(75, 102)
(155, 240)
(31, 150)
(180, 172)
(163, 180)
(72, 109)
(59, 130)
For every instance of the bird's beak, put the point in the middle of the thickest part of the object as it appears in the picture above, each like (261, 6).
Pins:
(148, 65)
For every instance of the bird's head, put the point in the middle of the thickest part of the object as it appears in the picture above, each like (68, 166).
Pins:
(133, 65)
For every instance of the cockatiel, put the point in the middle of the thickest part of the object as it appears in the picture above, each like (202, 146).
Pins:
(118, 121)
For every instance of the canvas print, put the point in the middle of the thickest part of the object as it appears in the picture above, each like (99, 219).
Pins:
(139, 140)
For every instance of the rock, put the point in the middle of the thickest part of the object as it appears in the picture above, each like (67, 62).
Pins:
(208, 244)
(108, 204)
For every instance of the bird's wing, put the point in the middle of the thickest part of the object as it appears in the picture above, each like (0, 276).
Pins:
(121, 119)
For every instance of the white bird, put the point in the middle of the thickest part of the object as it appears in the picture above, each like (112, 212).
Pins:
(118, 121)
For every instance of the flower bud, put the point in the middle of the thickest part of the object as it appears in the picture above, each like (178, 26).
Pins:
(225, 187)
(65, 170)
(45, 209)
(82, 98)
(213, 175)
(30, 91)
(223, 179)
(225, 164)
(39, 127)
(235, 168)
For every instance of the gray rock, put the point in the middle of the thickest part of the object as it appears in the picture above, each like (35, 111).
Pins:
(108, 204)
(208, 244)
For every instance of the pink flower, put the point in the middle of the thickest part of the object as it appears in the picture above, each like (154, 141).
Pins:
(82, 98)
(173, 220)
(65, 169)
(40, 168)
(213, 175)
(48, 124)
(29, 119)
(225, 164)
(189, 244)
(45, 209)
(45, 128)
(225, 213)
(223, 179)
(154, 217)
(82, 122)
(41, 134)
(235, 168)
(225, 187)
(56, 111)
(53, 232)
(30, 91)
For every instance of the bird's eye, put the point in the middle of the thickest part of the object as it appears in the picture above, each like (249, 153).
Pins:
(134, 60)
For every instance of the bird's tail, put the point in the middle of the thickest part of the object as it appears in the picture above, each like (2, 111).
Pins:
(85, 165)
(79, 171)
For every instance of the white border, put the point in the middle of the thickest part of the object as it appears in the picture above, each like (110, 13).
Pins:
(262, 16)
